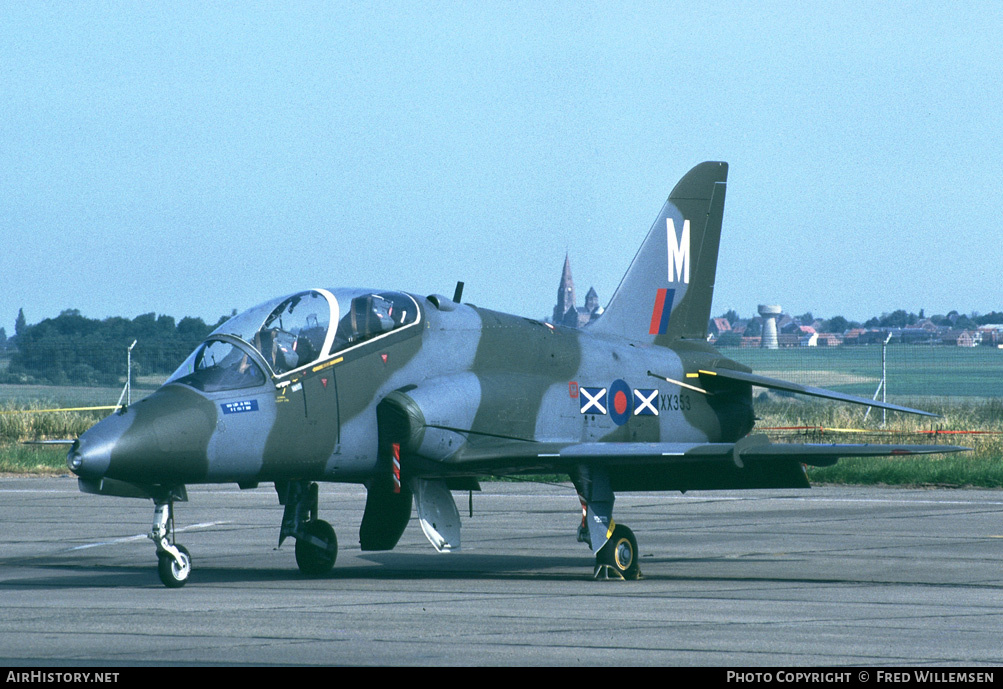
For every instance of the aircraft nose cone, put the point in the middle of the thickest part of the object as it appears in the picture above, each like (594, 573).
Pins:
(90, 455)
(163, 438)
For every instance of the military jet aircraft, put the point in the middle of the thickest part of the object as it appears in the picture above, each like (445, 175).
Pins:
(417, 396)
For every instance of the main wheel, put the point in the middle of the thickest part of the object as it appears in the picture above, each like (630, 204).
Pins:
(171, 573)
(620, 553)
(317, 548)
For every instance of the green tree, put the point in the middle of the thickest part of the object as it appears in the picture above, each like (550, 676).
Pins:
(897, 319)
(72, 349)
(193, 329)
(836, 324)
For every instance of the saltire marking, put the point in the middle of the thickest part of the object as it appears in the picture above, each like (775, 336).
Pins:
(643, 402)
(661, 312)
(592, 398)
(620, 402)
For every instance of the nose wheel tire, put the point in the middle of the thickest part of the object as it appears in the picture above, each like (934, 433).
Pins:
(619, 555)
(173, 574)
(316, 548)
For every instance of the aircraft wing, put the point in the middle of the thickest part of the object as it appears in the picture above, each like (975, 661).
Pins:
(786, 386)
(814, 454)
(516, 456)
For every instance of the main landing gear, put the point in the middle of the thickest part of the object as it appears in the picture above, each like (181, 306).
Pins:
(316, 543)
(614, 544)
(174, 562)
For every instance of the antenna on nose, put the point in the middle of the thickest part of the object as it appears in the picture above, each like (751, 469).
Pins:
(458, 292)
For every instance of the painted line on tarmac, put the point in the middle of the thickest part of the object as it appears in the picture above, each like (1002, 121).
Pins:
(37, 490)
(143, 537)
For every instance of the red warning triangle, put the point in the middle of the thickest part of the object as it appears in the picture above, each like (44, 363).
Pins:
(323, 381)
(384, 357)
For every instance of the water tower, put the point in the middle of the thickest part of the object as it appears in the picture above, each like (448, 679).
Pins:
(770, 313)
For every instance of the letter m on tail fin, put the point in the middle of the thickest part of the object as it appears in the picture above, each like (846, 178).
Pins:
(666, 293)
(679, 251)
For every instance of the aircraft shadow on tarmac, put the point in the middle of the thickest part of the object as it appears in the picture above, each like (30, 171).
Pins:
(387, 566)
(382, 566)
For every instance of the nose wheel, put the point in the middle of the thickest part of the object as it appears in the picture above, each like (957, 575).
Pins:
(173, 570)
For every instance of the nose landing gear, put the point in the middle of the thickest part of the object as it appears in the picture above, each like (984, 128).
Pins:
(174, 562)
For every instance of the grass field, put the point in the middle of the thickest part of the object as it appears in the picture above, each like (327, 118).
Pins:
(52, 396)
(914, 371)
(976, 423)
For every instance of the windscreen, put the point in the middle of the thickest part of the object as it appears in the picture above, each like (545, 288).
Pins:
(216, 366)
(288, 332)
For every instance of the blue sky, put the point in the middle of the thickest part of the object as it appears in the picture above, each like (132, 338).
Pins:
(190, 159)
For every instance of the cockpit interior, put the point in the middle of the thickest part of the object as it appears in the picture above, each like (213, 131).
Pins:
(293, 332)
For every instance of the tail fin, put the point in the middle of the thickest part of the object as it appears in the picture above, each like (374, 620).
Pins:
(667, 291)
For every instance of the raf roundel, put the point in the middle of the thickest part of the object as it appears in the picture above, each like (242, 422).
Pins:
(621, 402)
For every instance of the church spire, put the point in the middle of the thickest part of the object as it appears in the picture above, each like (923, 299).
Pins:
(565, 292)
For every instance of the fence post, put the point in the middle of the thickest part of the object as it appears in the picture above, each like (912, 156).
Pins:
(127, 390)
(884, 380)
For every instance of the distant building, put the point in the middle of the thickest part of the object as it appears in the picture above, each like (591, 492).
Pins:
(565, 311)
(719, 326)
(992, 334)
(962, 338)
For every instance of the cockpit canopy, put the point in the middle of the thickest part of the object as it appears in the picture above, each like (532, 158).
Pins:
(292, 332)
